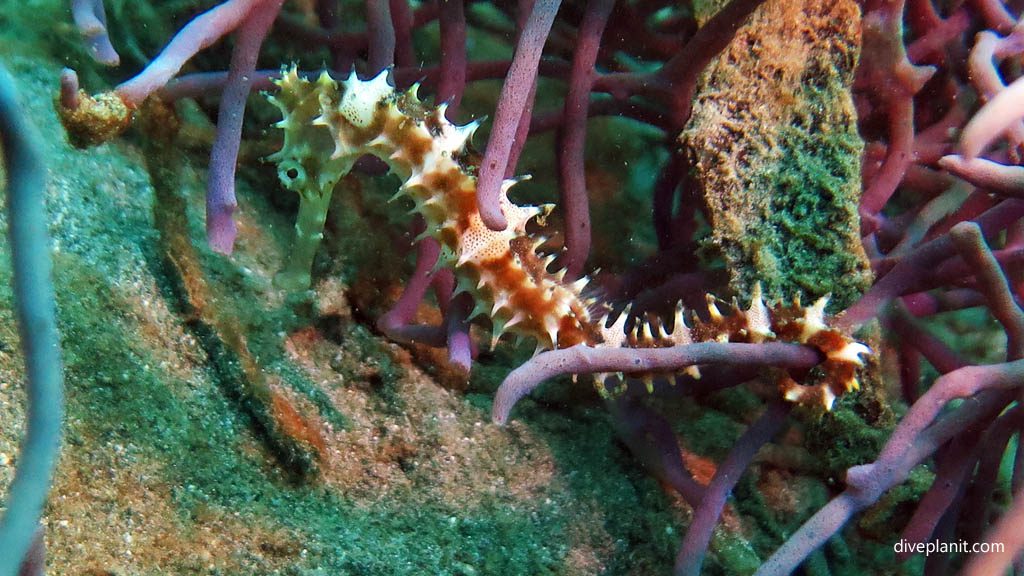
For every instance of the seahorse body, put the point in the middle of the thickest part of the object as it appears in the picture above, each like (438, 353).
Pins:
(328, 125)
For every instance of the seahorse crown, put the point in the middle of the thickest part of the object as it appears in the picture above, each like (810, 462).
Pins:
(328, 125)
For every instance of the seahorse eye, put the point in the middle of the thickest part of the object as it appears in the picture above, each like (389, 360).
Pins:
(292, 174)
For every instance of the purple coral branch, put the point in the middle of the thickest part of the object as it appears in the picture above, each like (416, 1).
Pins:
(200, 33)
(664, 196)
(968, 240)
(896, 80)
(912, 272)
(993, 284)
(995, 15)
(705, 517)
(21, 151)
(91, 19)
(679, 75)
(69, 97)
(34, 563)
(955, 463)
(1009, 532)
(381, 31)
(452, 80)
(914, 335)
(652, 441)
(575, 203)
(220, 186)
(458, 340)
(514, 100)
(913, 440)
(403, 21)
(581, 359)
(397, 322)
(997, 437)
(523, 131)
(200, 83)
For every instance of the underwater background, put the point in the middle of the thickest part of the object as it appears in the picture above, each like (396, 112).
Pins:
(221, 421)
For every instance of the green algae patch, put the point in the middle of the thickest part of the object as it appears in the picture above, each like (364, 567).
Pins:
(802, 244)
(773, 139)
(198, 461)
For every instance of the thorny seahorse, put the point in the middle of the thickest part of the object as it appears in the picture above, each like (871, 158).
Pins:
(329, 124)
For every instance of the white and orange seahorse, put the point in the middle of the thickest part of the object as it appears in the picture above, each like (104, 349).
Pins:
(329, 124)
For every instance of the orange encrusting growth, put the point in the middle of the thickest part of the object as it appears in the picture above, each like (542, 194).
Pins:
(328, 125)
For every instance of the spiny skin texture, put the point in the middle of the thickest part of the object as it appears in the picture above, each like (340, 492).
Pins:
(328, 125)
(502, 270)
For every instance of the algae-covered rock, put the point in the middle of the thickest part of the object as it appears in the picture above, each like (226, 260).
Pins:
(773, 140)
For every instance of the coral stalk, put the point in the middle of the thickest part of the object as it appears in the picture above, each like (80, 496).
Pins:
(91, 19)
(992, 283)
(911, 272)
(37, 327)
(574, 198)
(679, 75)
(220, 186)
(200, 33)
(705, 517)
(382, 35)
(515, 96)
(913, 440)
(1009, 532)
(452, 80)
(587, 360)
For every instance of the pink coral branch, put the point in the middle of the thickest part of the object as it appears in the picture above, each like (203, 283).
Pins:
(999, 115)
(574, 133)
(91, 19)
(514, 100)
(200, 33)
(1009, 532)
(913, 440)
(583, 359)
(983, 173)
(220, 185)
